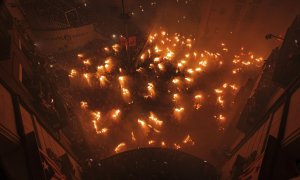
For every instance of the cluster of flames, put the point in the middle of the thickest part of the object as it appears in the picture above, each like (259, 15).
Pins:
(164, 53)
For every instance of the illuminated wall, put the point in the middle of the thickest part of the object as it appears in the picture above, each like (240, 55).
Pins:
(55, 41)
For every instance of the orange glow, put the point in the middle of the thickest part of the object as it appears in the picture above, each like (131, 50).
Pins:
(102, 131)
(161, 67)
(176, 97)
(158, 95)
(120, 147)
(178, 112)
(176, 81)
(116, 47)
(218, 91)
(188, 79)
(87, 62)
(73, 73)
(106, 49)
(150, 142)
(116, 114)
(87, 77)
(177, 146)
(84, 105)
(97, 115)
(80, 55)
(103, 81)
(170, 54)
(122, 81)
(153, 118)
(144, 126)
(220, 101)
(197, 101)
(133, 136)
(187, 140)
(151, 91)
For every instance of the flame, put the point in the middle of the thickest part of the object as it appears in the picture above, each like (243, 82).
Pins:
(219, 91)
(188, 139)
(140, 69)
(189, 80)
(153, 118)
(106, 49)
(234, 87)
(125, 92)
(102, 131)
(95, 125)
(163, 50)
(143, 57)
(178, 112)
(161, 67)
(203, 63)
(179, 109)
(108, 65)
(198, 97)
(87, 62)
(100, 70)
(221, 118)
(220, 100)
(97, 115)
(116, 114)
(120, 147)
(116, 47)
(157, 59)
(150, 142)
(122, 81)
(157, 49)
(170, 54)
(73, 73)
(151, 91)
(175, 80)
(190, 71)
(142, 123)
(197, 101)
(103, 80)
(144, 126)
(133, 136)
(176, 97)
(87, 77)
(84, 105)
(177, 146)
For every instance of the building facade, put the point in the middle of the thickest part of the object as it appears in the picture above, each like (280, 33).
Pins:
(32, 120)
(268, 143)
